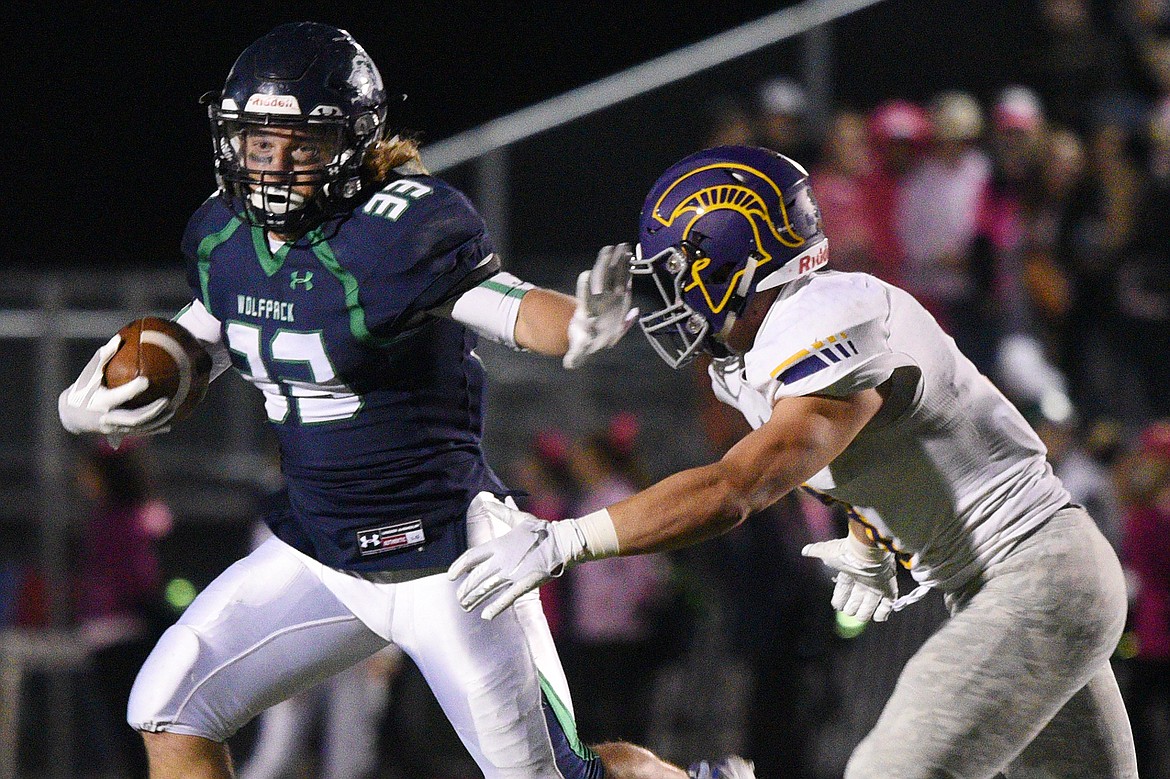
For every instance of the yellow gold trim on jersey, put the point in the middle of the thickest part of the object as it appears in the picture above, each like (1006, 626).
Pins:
(790, 361)
(821, 354)
(871, 531)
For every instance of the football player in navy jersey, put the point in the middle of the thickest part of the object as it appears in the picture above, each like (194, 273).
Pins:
(350, 287)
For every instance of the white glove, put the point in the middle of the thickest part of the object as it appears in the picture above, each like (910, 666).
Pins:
(522, 559)
(726, 381)
(88, 406)
(603, 312)
(867, 581)
(730, 767)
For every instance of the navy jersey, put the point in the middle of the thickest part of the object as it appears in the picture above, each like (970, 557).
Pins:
(377, 406)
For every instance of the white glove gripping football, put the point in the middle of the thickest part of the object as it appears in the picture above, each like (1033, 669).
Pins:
(867, 581)
(88, 406)
(603, 312)
(527, 556)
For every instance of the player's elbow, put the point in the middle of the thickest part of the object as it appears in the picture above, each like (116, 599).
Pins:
(747, 488)
(737, 494)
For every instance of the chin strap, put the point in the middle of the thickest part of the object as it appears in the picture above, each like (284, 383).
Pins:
(749, 273)
(728, 323)
(740, 299)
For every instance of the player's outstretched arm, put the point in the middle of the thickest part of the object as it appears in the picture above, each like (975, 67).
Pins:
(542, 325)
(575, 327)
(803, 436)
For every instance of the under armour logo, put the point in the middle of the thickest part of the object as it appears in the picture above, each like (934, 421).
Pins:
(306, 279)
(390, 538)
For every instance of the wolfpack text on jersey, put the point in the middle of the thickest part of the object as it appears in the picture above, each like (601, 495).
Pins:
(377, 406)
(263, 308)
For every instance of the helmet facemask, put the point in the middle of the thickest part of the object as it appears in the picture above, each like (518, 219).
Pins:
(321, 169)
(677, 331)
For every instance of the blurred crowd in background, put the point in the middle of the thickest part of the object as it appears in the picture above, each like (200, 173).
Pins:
(1032, 215)
(1034, 222)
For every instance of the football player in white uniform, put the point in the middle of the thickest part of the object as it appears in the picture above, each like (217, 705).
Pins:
(854, 392)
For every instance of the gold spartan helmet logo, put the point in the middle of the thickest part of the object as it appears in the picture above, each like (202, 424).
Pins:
(735, 197)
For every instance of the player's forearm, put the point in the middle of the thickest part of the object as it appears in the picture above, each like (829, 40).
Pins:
(198, 321)
(681, 510)
(542, 324)
(701, 503)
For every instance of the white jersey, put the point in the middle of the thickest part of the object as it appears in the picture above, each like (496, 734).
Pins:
(949, 473)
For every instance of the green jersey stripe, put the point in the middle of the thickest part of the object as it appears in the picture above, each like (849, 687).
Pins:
(206, 247)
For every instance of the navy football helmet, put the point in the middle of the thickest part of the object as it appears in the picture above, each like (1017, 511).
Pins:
(716, 228)
(316, 90)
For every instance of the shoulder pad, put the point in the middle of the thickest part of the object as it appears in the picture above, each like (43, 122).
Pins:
(829, 336)
(438, 231)
(421, 253)
(211, 217)
(418, 213)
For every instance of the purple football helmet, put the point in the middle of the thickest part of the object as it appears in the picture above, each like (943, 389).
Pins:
(717, 227)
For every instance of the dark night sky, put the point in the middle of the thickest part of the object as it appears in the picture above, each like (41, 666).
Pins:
(108, 150)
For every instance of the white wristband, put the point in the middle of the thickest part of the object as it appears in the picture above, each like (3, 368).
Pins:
(600, 536)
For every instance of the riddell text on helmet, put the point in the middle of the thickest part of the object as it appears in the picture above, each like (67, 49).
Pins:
(273, 104)
(815, 260)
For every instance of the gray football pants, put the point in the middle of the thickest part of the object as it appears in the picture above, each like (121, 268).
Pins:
(1018, 680)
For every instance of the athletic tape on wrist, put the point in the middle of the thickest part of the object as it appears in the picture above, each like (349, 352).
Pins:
(600, 536)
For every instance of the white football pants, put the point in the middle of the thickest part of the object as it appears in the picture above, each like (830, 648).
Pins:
(277, 622)
(1018, 680)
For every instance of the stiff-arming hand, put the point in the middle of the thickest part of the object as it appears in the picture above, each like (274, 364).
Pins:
(603, 312)
(867, 582)
(522, 559)
(88, 406)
